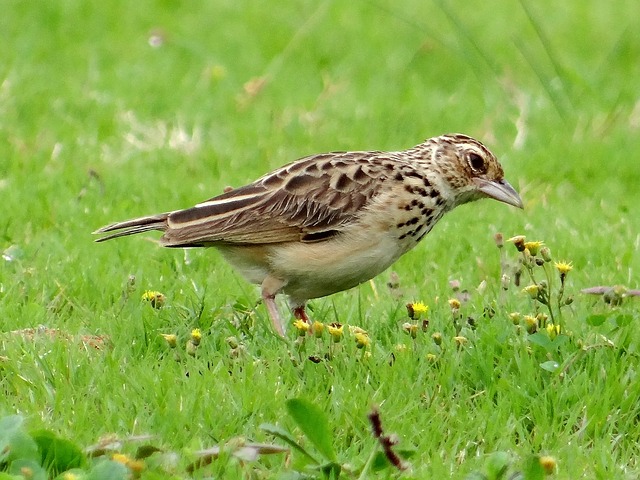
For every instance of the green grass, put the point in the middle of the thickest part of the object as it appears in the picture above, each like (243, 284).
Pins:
(97, 125)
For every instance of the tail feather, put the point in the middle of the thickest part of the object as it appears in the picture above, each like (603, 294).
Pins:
(131, 227)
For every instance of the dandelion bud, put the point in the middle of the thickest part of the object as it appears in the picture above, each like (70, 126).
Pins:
(191, 348)
(437, 338)
(460, 341)
(539, 262)
(499, 239)
(431, 357)
(410, 329)
(232, 342)
(505, 280)
(516, 277)
(542, 319)
(362, 340)
(548, 464)
(515, 317)
(545, 253)
(518, 241)
(568, 300)
(530, 323)
(171, 339)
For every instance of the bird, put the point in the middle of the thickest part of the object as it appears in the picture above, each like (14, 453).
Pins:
(329, 222)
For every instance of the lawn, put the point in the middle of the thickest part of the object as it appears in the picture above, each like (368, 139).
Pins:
(111, 110)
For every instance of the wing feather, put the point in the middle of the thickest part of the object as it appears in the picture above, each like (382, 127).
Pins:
(307, 199)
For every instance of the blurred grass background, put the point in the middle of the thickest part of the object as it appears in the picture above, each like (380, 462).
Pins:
(113, 110)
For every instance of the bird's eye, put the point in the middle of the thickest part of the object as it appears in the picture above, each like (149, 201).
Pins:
(477, 163)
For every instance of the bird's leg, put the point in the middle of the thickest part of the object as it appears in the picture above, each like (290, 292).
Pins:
(269, 289)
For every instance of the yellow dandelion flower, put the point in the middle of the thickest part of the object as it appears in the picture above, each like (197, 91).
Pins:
(136, 466)
(362, 339)
(400, 347)
(336, 330)
(533, 247)
(431, 357)
(121, 458)
(171, 339)
(156, 299)
(454, 303)
(317, 328)
(196, 336)
(532, 290)
(515, 317)
(302, 327)
(416, 310)
(553, 330)
(563, 267)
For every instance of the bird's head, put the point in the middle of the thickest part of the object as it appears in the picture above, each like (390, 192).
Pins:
(471, 170)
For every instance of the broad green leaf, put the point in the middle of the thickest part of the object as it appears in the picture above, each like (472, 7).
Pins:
(596, 320)
(623, 320)
(550, 366)
(28, 469)
(58, 454)
(313, 422)
(541, 339)
(15, 443)
(109, 470)
(560, 340)
(9, 424)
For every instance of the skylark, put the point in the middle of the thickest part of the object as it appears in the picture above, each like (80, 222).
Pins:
(328, 222)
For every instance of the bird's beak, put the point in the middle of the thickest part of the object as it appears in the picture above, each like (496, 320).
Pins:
(499, 190)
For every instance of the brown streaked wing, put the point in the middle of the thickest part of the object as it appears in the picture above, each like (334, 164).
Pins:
(309, 199)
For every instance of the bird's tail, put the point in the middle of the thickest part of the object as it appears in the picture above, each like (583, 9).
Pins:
(131, 227)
